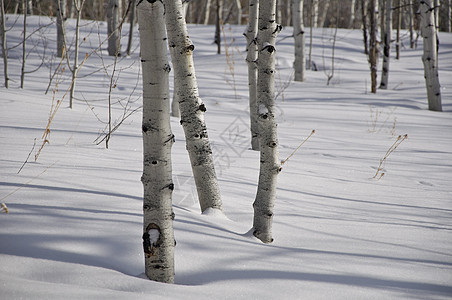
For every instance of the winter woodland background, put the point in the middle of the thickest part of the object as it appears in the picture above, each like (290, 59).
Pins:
(345, 227)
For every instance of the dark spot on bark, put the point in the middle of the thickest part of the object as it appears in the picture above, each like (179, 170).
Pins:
(264, 116)
(269, 215)
(202, 107)
(154, 162)
(173, 216)
(171, 186)
(146, 207)
(143, 60)
(272, 144)
(167, 68)
(190, 48)
(145, 128)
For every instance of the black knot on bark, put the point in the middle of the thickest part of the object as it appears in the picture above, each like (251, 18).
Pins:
(167, 68)
(154, 162)
(269, 48)
(202, 107)
(272, 144)
(190, 48)
(264, 116)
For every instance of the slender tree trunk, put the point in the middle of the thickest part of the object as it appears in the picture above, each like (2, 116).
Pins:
(191, 107)
(298, 33)
(78, 6)
(270, 165)
(133, 9)
(399, 25)
(239, 12)
(364, 28)
(311, 25)
(29, 7)
(387, 46)
(410, 12)
(373, 46)
(61, 19)
(251, 60)
(352, 13)
(113, 20)
(429, 58)
(322, 18)
(315, 13)
(218, 23)
(4, 45)
(207, 12)
(24, 41)
(158, 235)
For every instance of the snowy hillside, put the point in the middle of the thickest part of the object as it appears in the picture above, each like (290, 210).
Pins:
(74, 225)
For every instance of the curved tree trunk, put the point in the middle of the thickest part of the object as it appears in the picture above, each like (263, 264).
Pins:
(386, 46)
(191, 107)
(429, 58)
(251, 60)
(298, 33)
(158, 235)
(270, 165)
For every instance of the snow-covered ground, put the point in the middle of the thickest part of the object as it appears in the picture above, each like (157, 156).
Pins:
(75, 215)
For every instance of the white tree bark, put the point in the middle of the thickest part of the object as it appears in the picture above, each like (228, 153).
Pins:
(429, 58)
(113, 21)
(322, 18)
(251, 60)
(191, 107)
(4, 45)
(158, 235)
(352, 13)
(410, 12)
(61, 19)
(298, 33)
(270, 165)
(29, 7)
(207, 12)
(315, 13)
(239, 12)
(387, 45)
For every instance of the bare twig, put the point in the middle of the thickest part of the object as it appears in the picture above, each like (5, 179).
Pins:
(311, 134)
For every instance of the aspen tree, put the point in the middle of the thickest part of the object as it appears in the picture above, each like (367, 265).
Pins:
(373, 46)
(298, 33)
(251, 60)
(191, 107)
(387, 45)
(270, 165)
(113, 20)
(4, 45)
(61, 19)
(158, 235)
(429, 57)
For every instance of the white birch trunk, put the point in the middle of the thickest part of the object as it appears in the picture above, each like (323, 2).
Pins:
(298, 33)
(61, 19)
(191, 107)
(239, 12)
(448, 18)
(321, 20)
(251, 60)
(352, 13)
(133, 10)
(387, 45)
(78, 4)
(113, 21)
(4, 45)
(207, 12)
(158, 235)
(429, 58)
(270, 165)
(315, 13)
(411, 25)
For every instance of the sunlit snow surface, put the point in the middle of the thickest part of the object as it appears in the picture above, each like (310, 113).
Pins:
(74, 226)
